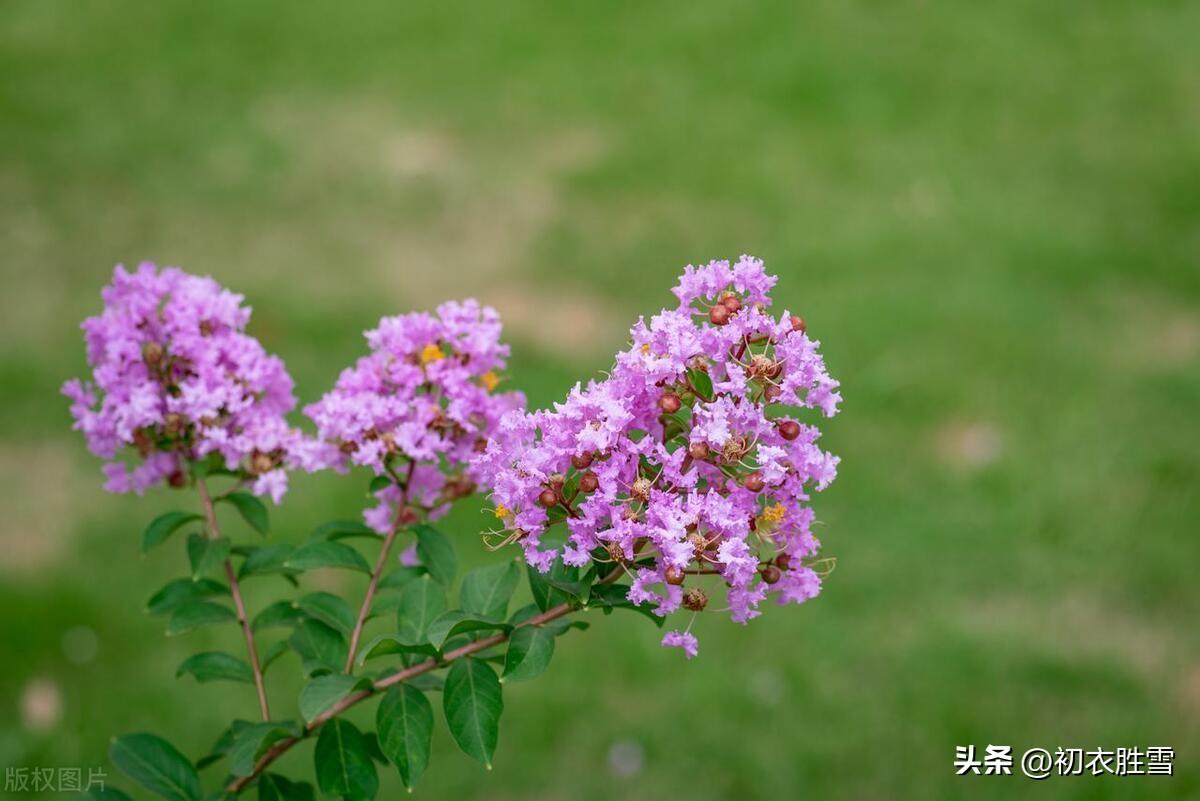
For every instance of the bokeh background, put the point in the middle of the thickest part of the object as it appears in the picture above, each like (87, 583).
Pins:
(988, 213)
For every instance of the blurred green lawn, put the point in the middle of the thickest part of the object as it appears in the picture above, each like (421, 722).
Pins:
(989, 214)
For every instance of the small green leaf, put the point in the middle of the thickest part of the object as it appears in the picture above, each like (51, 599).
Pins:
(178, 591)
(449, 624)
(280, 613)
(265, 560)
(436, 554)
(405, 722)
(473, 702)
(205, 554)
(156, 765)
(329, 609)
(557, 586)
(104, 792)
(400, 577)
(702, 383)
(421, 602)
(326, 554)
(613, 596)
(379, 483)
(321, 647)
(486, 590)
(268, 656)
(323, 692)
(164, 526)
(215, 666)
(341, 529)
(529, 651)
(194, 614)
(251, 509)
(386, 644)
(273, 787)
(383, 605)
(343, 765)
(253, 739)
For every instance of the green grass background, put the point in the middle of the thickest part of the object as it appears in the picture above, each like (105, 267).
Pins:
(988, 213)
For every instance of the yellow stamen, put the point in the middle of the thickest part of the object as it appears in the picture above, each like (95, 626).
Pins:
(773, 514)
(489, 380)
(431, 353)
(646, 348)
(501, 511)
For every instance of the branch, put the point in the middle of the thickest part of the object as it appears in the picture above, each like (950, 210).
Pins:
(278, 749)
(214, 532)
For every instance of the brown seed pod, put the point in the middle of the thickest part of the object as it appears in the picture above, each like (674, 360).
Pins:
(675, 576)
(798, 324)
(588, 483)
(695, 599)
(698, 451)
(670, 403)
(771, 574)
(784, 561)
(582, 461)
(789, 429)
(718, 315)
(754, 482)
(732, 303)
(548, 498)
(177, 479)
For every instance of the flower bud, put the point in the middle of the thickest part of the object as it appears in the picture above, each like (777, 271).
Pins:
(698, 451)
(718, 315)
(582, 461)
(784, 561)
(480, 444)
(173, 424)
(675, 576)
(798, 324)
(771, 392)
(408, 516)
(754, 482)
(152, 354)
(732, 303)
(588, 483)
(771, 574)
(556, 481)
(261, 463)
(695, 599)
(548, 498)
(789, 429)
(670, 403)
(143, 442)
(641, 489)
(177, 479)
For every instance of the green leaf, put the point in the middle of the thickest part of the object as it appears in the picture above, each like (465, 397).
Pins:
(399, 577)
(342, 763)
(323, 692)
(105, 792)
(449, 624)
(194, 614)
(268, 657)
(702, 383)
(421, 602)
(341, 529)
(265, 560)
(273, 787)
(251, 509)
(612, 596)
(383, 605)
(319, 646)
(178, 591)
(529, 651)
(253, 739)
(436, 554)
(216, 666)
(326, 554)
(156, 765)
(379, 483)
(164, 526)
(558, 586)
(329, 609)
(280, 613)
(205, 553)
(486, 590)
(405, 722)
(386, 644)
(472, 702)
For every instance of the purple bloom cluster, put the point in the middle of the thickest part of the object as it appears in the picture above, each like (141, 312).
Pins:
(175, 378)
(684, 462)
(420, 406)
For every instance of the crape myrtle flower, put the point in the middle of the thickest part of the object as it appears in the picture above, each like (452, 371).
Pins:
(419, 406)
(689, 463)
(175, 378)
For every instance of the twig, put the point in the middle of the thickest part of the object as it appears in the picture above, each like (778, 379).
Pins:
(214, 532)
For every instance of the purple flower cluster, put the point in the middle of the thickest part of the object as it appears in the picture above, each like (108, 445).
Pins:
(420, 406)
(685, 461)
(175, 378)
